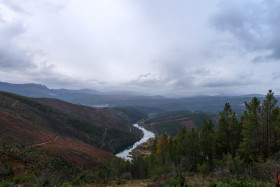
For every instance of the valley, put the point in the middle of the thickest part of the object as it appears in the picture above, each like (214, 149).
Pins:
(48, 140)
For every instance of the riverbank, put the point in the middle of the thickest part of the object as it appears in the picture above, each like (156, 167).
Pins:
(126, 154)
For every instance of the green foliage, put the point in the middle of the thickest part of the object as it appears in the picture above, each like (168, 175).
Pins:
(5, 184)
(203, 168)
(171, 127)
(261, 124)
(207, 141)
(178, 181)
(250, 147)
(248, 183)
(228, 133)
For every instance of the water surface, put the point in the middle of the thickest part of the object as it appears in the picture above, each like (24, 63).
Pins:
(147, 135)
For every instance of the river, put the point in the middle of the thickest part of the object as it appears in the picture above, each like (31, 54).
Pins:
(147, 135)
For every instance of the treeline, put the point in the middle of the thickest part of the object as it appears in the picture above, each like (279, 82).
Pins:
(235, 148)
(256, 136)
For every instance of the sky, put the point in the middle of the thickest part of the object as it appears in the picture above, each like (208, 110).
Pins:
(178, 47)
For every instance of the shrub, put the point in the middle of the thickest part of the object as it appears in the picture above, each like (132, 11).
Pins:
(203, 168)
(177, 181)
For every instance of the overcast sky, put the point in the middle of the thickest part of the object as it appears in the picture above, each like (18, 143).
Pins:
(181, 47)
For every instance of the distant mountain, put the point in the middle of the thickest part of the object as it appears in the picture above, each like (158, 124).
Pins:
(99, 99)
(81, 134)
(31, 90)
(82, 96)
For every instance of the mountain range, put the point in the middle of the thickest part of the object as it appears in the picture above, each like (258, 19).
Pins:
(98, 99)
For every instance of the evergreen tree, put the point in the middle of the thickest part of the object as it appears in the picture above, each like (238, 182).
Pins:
(181, 143)
(275, 134)
(207, 138)
(276, 131)
(228, 133)
(193, 149)
(235, 136)
(268, 106)
(251, 145)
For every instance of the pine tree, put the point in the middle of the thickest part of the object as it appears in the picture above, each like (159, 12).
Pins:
(228, 134)
(207, 138)
(251, 145)
(193, 149)
(268, 106)
(277, 133)
(235, 136)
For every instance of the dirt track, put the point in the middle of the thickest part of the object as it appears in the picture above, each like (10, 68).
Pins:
(43, 143)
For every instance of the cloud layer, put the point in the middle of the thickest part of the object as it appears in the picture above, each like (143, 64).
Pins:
(159, 47)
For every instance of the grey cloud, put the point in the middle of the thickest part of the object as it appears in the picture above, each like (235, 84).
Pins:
(224, 83)
(11, 56)
(203, 72)
(13, 59)
(144, 75)
(255, 24)
(239, 80)
(11, 30)
(13, 6)
(27, 8)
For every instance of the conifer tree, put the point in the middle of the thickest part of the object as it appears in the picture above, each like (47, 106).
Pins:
(228, 134)
(251, 145)
(268, 106)
(193, 149)
(207, 138)
(235, 136)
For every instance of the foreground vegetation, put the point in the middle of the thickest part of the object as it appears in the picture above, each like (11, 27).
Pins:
(236, 153)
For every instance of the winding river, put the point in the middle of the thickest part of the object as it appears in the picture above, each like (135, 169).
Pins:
(147, 135)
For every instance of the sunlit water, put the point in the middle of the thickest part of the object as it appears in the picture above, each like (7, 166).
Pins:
(147, 135)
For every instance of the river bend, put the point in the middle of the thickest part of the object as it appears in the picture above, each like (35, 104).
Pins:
(147, 135)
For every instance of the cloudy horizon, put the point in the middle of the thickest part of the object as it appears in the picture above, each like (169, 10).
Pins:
(158, 47)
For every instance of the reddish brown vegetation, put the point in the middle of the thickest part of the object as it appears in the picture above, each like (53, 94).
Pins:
(277, 181)
(84, 155)
(101, 117)
(188, 124)
(24, 124)
(19, 130)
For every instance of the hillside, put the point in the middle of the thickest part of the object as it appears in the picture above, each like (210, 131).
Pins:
(137, 113)
(82, 134)
(172, 122)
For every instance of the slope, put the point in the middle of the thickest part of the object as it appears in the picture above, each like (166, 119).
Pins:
(172, 122)
(82, 132)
